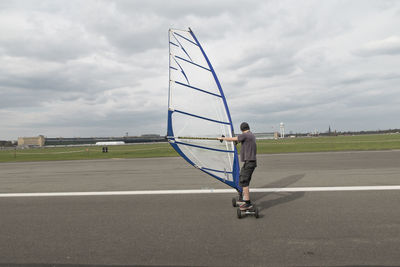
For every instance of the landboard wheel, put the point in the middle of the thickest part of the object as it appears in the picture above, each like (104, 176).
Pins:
(234, 202)
(256, 213)
(239, 213)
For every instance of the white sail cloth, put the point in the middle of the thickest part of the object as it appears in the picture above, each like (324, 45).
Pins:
(198, 109)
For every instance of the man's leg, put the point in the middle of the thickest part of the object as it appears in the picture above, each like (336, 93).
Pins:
(246, 193)
(245, 178)
(246, 199)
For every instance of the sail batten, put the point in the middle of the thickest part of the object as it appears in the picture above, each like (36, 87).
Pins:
(208, 169)
(184, 50)
(198, 89)
(201, 117)
(191, 62)
(198, 112)
(185, 38)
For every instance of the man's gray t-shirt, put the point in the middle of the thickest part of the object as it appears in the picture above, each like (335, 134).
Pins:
(249, 147)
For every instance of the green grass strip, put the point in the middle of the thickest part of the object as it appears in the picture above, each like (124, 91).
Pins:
(287, 145)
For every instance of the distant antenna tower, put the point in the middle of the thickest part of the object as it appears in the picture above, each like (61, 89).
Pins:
(282, 127)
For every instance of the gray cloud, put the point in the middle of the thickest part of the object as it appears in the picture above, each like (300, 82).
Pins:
(387, 46)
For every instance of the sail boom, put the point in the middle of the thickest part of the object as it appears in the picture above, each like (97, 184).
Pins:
(204, 147)
(194, 137)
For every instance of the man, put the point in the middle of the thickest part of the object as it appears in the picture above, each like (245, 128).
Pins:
(248, 156)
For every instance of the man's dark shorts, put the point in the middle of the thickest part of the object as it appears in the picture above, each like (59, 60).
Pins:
(246, 172)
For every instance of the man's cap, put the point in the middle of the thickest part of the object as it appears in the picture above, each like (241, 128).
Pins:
(244, 126)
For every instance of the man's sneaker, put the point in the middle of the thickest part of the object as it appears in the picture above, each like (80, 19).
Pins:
(246, 206)
(240, 202)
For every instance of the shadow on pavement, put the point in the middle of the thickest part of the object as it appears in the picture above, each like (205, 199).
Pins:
(284, 196)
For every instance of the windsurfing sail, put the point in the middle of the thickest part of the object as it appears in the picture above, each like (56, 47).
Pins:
(198, 112)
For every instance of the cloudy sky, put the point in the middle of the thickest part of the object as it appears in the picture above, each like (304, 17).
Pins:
(100, 68)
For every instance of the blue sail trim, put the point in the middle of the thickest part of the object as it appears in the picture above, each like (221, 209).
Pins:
(173, 34)
(198, 89)
(173, 44)
(173, 68)
(236, 171)
(200, 117)
(185, 38)
(181, 58)
(236, 167)
(208, 169)
(205, 147)
(170, 132)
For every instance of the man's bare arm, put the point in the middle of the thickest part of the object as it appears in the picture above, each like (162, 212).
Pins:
(228, 138)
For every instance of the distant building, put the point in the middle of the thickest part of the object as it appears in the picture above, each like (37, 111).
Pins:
(94, 140)
(31, 141)
(66, 141)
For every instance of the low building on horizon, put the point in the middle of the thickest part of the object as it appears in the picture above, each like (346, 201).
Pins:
(94, 140)
(32, 141)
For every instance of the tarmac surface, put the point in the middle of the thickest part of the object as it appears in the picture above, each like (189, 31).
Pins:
(349, 228)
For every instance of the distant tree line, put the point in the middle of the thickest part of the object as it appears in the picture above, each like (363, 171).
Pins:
(373, 132)
(6, 143)
(335, 133)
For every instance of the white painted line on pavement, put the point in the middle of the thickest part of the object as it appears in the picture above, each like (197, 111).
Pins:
(324, 189)
(203, 191)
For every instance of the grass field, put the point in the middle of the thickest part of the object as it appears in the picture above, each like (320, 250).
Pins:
(288, 145)
(330, 143)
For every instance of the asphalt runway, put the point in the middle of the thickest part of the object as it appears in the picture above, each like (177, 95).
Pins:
(351, 228)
